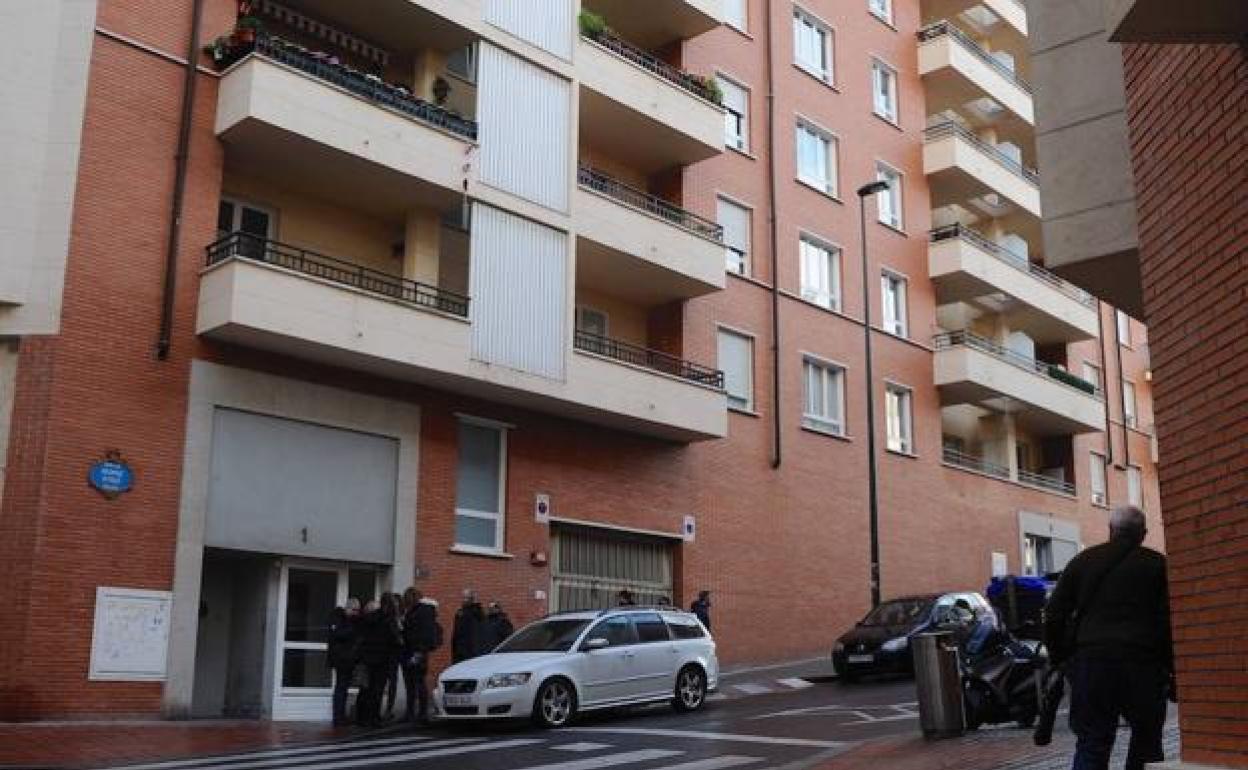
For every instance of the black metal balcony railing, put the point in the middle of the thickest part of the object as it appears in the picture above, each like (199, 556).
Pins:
(1017, 261)
(949, 128)
(651, 204)
(649, 359)
(954, 457)
(1051, 371)
(942, 28)
(362, 84)
(338, 271)
(694, 84)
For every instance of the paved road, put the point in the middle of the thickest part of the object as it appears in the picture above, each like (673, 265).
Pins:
(777, 718)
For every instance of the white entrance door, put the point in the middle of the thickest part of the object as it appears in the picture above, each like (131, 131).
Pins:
(304, 681)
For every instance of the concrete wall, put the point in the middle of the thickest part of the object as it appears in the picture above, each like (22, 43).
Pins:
(1081, 142)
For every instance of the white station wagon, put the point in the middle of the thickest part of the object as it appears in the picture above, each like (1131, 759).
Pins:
(580, 661)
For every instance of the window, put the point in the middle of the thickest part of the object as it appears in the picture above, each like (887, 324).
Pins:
(1092, 374)
(651, 628)
(884, 88)
(1128, 404)
(480, 484)
(618, 631)
(1124, 327)
(894, 288)
(1096, 474)
(898, 418)
(736, 114)
(821, 273)
(1135, 491)
(591, 320)
(463, 63)
(684, 627)
(882, 9)
(249, 220)
(1037, 555)
(736, 14)
(816, 158)
(736, 359)
(812, 46)
(889, 201)
(823, 396)
(735, 220)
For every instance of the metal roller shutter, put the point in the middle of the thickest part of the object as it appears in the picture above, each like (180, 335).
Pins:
(589, 567)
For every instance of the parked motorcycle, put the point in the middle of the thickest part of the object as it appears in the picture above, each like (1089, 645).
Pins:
(1002, 679)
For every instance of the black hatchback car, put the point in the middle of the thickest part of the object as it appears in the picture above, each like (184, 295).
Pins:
(880, 642)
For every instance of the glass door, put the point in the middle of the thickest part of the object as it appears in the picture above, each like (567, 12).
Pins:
(309, 592)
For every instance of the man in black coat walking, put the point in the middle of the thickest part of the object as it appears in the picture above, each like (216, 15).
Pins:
(1109, 620)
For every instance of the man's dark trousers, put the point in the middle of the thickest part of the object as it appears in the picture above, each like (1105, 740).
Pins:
(1104, 687)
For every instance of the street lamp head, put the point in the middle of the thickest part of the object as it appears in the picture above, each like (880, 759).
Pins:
(872, 189)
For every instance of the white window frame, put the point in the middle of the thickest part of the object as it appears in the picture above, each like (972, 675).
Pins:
(902, 439)
(829, 296)
(882, 10)
(738, 138)
(830, 184)
(1098, 476)
(805, 22)
(737, 261)
(1130, 406)
(470, 59)
(1135, 491)
(742, 24)
(878, 66)
(499, 517)
(832, 384)
(240, 203)
(1124, 327)
(898, 326)
(894, 195)
(734, 401)
(1095, 379)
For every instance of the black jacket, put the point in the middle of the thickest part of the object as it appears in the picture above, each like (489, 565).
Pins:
(343, 648)
(471, 636)
(1129, 616)
(419, 629)
(380, 639)
(500, 628)
(703, 610)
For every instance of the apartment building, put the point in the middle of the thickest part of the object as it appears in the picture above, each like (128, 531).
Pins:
(543, 299)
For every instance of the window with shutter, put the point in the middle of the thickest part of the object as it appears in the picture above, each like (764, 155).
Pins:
(735, 220)
(736, 359)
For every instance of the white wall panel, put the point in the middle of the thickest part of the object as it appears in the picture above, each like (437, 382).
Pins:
(518, 283)
(546, 24)
(524, 122)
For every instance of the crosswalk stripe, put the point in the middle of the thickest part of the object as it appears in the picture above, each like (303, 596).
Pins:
(716, 696)
(582, 746)
(716, 763)
(223, 759)
(463, 747)
(709, 736)
(795, 683)
(359, 752)
(752, 689)
(610, 760)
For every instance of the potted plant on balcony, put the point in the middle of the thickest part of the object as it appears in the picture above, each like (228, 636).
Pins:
(593, 25)
(246, 30)
(711, 89)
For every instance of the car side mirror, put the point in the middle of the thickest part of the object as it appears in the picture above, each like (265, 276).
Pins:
(597, 643)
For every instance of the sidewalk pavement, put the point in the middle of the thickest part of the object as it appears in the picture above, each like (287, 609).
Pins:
(986, 749)
(79, 744)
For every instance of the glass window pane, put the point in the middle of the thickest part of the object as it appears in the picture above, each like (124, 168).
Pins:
(254, 222)
(478, 475)
(650, 628)
(305, 668)
(476, 531)
(362, 584)
(225, 217)
(617, 631)
(310, 596)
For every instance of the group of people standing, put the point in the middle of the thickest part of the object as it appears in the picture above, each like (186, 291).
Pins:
(395, 635)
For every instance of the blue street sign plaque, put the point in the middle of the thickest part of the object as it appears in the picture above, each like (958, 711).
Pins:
(111, 476)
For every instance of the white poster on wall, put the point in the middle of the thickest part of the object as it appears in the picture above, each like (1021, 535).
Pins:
(1000, 564)
(130, 641)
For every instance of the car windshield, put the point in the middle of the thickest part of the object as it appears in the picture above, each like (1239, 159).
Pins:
(545, 636)
(901, 612)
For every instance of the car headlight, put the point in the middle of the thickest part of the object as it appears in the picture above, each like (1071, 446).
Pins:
(896, 645)
(507, 680)
(839, 647)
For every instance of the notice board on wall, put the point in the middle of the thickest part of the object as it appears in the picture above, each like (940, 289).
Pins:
(130, 641)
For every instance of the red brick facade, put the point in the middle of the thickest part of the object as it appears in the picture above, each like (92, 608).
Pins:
(1188, 116)
(784, 549)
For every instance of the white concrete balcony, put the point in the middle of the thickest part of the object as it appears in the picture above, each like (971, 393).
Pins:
(967, 267)
(642, 111)
(316, 124)
(295, 302)
(988, 15)
(664, 21)
(644, 240)
(1044, 399)
(961, 167)
(957, 71)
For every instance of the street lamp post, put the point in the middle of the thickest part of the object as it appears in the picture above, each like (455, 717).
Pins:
(873, 505)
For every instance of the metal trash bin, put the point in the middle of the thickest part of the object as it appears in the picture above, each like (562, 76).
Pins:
(939, 684)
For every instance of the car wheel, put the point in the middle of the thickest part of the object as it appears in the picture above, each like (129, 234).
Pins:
(690, 689)
(555, 704)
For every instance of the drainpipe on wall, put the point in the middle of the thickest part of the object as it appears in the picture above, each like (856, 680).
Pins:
(1122, 393)
(179, 184)
(1100, 349)
(775, 241)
